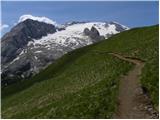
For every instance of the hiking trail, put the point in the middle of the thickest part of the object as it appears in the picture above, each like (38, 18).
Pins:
(132, 102)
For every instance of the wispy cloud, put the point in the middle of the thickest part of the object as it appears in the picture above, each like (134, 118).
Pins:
(40, 19)
(4, 26)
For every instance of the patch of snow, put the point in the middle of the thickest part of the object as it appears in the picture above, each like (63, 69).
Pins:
(38, 51)
(17, 58)
(112, 29)
(22, 52)
(125, 27)
(35, 57)
(30, 43)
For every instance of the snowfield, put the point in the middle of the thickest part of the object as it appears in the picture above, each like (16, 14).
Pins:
(74, 34)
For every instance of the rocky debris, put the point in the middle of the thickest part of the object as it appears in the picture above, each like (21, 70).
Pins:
(146, 105)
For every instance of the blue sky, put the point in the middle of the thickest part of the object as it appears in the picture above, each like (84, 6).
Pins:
(131, 14)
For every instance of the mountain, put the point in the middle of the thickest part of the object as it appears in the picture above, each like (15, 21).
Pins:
(84, 83)
(35, 42)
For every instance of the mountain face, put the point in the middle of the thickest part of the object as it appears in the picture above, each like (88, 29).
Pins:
(32, 45)
(93, 34)
(20, 35)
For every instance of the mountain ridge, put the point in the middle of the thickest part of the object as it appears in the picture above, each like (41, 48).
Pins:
(35, 44)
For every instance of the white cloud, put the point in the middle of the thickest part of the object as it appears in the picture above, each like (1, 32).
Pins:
(40, 19)
(14, 24)
(2, 27)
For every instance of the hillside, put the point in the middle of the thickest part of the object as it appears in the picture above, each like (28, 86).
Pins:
(84, 83)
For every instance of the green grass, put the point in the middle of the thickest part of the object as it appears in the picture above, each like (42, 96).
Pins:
(83, 83)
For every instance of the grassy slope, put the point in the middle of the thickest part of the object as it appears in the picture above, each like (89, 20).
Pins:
(83, 83)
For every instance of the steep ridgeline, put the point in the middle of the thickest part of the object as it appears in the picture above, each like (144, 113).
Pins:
(32, 45)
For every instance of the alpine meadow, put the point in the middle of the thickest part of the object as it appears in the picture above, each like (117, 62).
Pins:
(88, 68)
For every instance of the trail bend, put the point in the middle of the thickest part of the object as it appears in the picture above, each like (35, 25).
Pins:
(132, 102)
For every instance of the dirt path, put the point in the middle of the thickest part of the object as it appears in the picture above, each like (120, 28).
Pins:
(132, 102)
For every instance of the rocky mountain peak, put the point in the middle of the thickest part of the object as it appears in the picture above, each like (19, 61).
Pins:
(93, 34)
(20, 35)
(94, 31)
